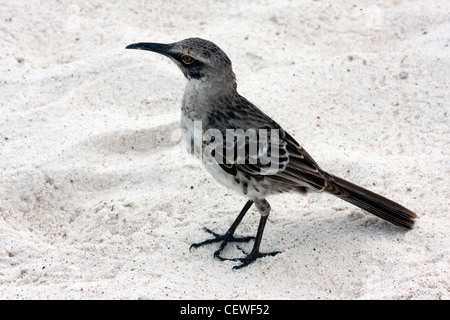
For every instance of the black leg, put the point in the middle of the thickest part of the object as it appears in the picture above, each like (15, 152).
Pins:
(255, 254)
(229, 235)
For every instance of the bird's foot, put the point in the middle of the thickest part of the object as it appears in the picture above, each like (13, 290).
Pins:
(249, 258)
(224, 238)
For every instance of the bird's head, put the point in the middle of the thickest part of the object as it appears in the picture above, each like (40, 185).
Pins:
(198, 59)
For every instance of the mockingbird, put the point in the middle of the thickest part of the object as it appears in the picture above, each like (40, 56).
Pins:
(246, 150)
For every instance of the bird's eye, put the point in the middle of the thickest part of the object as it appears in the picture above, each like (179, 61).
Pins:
(188, 59)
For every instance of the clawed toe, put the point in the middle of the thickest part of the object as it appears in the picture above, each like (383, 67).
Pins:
(248, 259)
(225, 239)
(229, 237)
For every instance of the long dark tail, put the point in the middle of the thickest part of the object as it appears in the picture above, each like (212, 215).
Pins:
(374, 203)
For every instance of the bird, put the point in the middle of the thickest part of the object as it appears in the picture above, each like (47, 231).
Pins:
(246, 150)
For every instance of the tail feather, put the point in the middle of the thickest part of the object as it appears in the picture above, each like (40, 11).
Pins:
(374, 203)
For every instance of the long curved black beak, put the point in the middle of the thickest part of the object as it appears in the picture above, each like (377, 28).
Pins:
(150, 46)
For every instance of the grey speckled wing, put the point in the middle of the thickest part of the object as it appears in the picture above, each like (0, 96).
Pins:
(295, 167)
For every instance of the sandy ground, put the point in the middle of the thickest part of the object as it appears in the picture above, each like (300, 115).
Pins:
(99, 200)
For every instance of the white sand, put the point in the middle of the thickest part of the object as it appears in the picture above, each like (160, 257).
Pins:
(98, 201)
